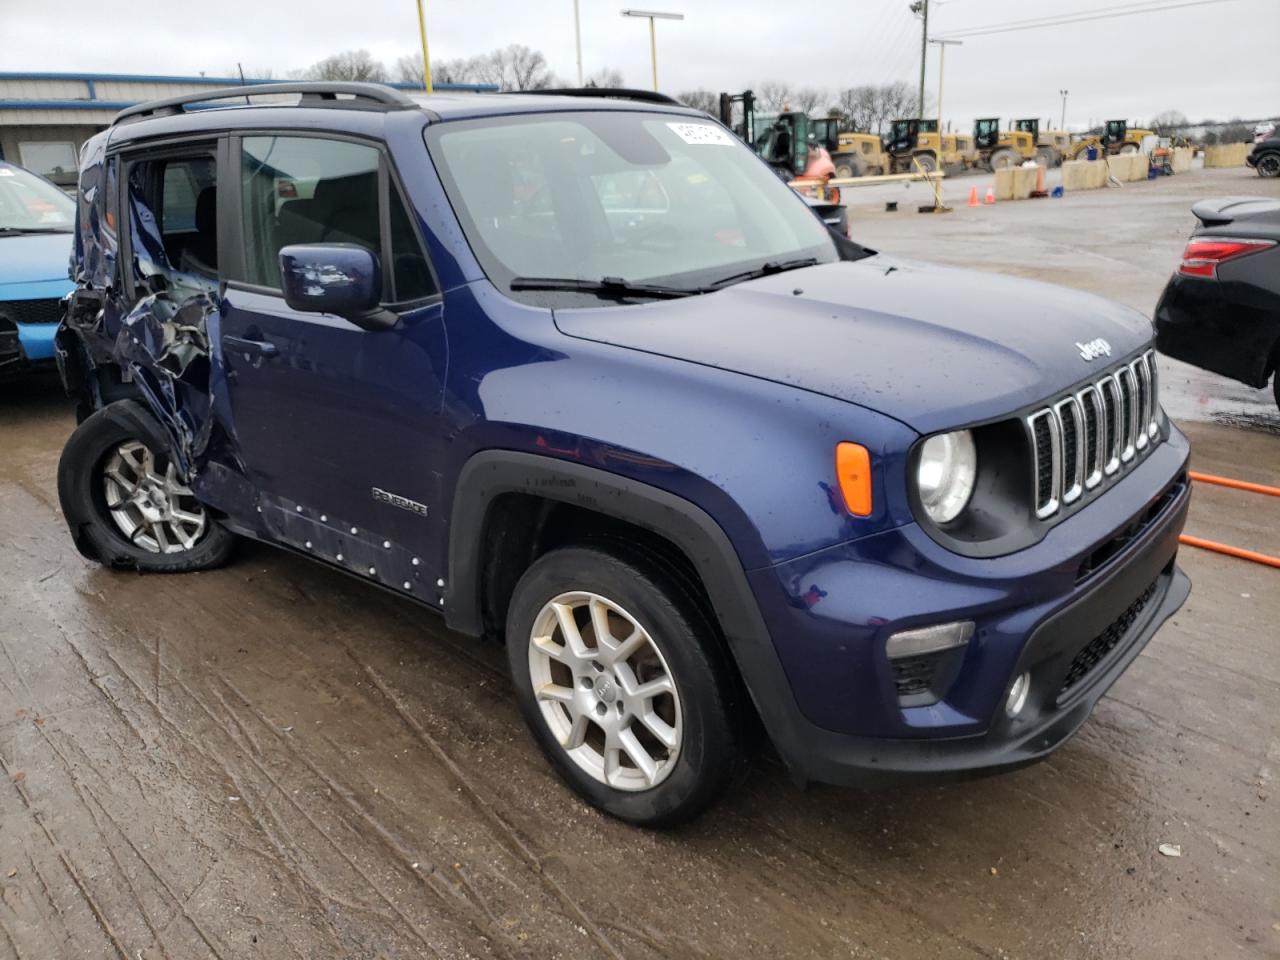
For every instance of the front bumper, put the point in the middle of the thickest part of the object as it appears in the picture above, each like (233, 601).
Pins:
(1036, 611)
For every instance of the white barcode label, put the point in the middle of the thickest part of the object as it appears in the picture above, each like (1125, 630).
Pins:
(702, 134)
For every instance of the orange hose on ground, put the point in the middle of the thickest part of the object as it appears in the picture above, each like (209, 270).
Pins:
(1229, 550)
(1234, 484)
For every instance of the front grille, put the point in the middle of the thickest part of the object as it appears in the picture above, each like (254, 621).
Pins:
(1096, 650)
(48, 310)
(1092, 434)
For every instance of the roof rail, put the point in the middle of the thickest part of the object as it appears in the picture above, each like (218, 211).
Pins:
(313, 92)
(612, 93)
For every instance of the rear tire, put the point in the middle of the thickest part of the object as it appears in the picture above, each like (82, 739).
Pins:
(846, 169)
(1269, 165)
(1048, 156)
(653, 760)
(1128, 148)
(124, 503)
(1003, 159)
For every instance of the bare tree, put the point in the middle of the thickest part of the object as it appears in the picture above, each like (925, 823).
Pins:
(773, 96)
(898, 100)
(703, 100)
(408, 69)
(605, 77)
(348, 65)
(517, 67)
(807, 99)
(1170, 123)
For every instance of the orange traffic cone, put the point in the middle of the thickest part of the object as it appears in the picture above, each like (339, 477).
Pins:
(1039, 191)
(973, 196)
(991, 195)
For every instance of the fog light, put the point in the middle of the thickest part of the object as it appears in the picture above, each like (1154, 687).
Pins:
(1018, 695)
(934, 639)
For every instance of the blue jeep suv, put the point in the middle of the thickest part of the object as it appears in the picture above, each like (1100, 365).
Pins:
(582, 375)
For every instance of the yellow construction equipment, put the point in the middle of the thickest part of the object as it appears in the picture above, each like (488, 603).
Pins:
(1118, 137)
(859, 155)
(913, 145)
(1052, 146)
(998, 148)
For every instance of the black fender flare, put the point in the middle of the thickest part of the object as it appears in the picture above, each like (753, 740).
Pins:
(490, 473)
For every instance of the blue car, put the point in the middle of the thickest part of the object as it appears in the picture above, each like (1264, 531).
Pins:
(36, 223)
(580, 374)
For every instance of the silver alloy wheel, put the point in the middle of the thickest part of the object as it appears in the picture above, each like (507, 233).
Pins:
(605, 691)
(155, 511)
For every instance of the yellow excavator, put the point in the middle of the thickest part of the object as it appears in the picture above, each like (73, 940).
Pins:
(997, 149)
(1117, 137)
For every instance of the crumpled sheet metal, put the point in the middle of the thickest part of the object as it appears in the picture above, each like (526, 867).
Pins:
(166, 346)
(93, 257)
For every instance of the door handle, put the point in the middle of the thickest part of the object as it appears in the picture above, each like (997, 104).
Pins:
(251, 348)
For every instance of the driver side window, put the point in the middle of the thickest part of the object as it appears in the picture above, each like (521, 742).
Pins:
(303, 190)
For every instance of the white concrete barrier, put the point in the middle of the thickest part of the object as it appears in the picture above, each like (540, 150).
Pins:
(1180, 159)
(1004, 184)
(1226, 155)
(1024, 181)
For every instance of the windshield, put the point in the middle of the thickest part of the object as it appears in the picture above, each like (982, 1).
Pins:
(29, 204)
(634, 198)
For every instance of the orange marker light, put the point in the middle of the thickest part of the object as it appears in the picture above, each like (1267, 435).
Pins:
(853, 470)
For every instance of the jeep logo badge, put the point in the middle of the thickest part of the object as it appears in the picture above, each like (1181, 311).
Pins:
(1094, 349)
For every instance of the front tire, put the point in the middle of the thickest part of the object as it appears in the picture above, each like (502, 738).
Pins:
(1003, 159)
(124, 502)
(624, 684)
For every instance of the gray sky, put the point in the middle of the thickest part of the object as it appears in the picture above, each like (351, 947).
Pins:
(1215, 60)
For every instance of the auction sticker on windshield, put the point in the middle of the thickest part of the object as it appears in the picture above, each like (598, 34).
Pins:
(701, 134)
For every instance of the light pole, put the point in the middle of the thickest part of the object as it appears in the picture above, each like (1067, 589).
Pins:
(577, 39)
(426, 61)
(652, 15)
(942, 58)
(1063, 95)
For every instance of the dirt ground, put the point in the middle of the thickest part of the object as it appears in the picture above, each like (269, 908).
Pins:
(272, 760)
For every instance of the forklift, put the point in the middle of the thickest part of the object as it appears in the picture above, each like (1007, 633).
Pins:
(792, 143)
(997, 149)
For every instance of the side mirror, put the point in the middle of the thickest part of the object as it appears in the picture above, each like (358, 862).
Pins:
(339, 278)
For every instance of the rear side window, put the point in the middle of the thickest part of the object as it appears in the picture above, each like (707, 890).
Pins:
(173, 202)
(299, 190)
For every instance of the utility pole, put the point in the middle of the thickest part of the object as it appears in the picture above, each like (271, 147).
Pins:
(577, 39)
(1063, 94)
(922, 7)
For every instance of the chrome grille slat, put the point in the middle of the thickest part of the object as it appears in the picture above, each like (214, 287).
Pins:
(1128, 411)
(1153, 420)
(1071, 428)
(1095, 434)
(1079, 440)
(1047, 472)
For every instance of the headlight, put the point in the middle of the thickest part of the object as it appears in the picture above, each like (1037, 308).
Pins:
(945, 476)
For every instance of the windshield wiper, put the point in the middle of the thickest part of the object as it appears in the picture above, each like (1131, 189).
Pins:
(17, 231)
(609, 286)
(765, 270)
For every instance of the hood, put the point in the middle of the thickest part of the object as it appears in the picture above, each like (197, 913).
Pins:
(935, 347)
(33, 257)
